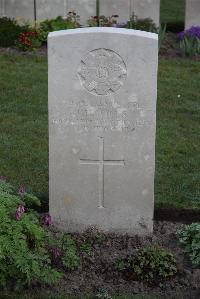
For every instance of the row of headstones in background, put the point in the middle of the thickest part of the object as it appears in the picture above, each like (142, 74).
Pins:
(86, 8)
(102, 124)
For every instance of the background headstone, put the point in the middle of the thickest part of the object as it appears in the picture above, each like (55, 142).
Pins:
(192, 13)
(19, 8)
(122, 8)
(102, 123)
(50, 9)
(84, 8)
(146, 9)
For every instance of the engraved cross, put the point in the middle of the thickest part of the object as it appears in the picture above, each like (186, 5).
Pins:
(101, 163)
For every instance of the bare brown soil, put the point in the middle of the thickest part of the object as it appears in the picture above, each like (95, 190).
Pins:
(98, 267)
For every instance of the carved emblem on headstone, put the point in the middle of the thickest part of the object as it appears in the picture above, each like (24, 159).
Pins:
(102, 72)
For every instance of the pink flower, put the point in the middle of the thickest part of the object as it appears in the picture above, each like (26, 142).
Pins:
(46, 219)
(19, 212)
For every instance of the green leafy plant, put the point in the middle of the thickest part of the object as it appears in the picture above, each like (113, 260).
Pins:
(24, 258)
(85, 247)
(190, 41)
(151, 264)
(142, 24)
(10, 31)
(161, 35)
(29, 252)
(189, 237)
(47, 26)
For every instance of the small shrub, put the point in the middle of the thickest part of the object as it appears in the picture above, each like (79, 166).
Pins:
(28, 251)
(190, 41)
(9, 31)
(142, 24)
(47, 26)
(103, 21)
(23, 256)
(189, 237)
(28, 41)
(151, 264)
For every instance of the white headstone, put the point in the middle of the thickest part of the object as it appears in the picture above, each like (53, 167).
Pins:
(102, 124)
(122, 8)
(146, 9)
(84, 8)
(19, 9)
(192, 15)
(50, 9)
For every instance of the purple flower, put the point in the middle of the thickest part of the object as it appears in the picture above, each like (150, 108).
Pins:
(119, 25)
(21, 191)
(19, 212)
(193, 31)
(46, 219)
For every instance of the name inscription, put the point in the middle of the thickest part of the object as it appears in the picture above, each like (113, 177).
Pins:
(103, 115)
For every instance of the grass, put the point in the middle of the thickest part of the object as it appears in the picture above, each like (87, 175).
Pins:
(172, 11)
(24, 128)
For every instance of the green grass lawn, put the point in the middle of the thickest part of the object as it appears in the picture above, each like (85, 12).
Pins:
(172, 11)
(24, 128)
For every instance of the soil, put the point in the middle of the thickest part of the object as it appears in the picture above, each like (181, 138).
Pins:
(98, 272)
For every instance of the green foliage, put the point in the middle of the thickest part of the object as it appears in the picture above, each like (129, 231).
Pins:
(151, 264)
(189, 237)
(172, 11)
(142, 24)
(154, 264)
(23, 256)
(162, 33)
(85, 247)
(69, 259)
(47, 26)
(10, 31)
(190, 46)
(27, 250)
(64, 250)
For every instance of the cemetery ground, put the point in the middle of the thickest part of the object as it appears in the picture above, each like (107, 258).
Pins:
(24, 160)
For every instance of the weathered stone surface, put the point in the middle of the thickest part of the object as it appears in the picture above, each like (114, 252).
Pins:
(84, 8)
(146, 9)
(125, 8)
(102, 122)
(18, 9)
(50, 9)
(122, 8)
(192, 15)
(47, 9)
